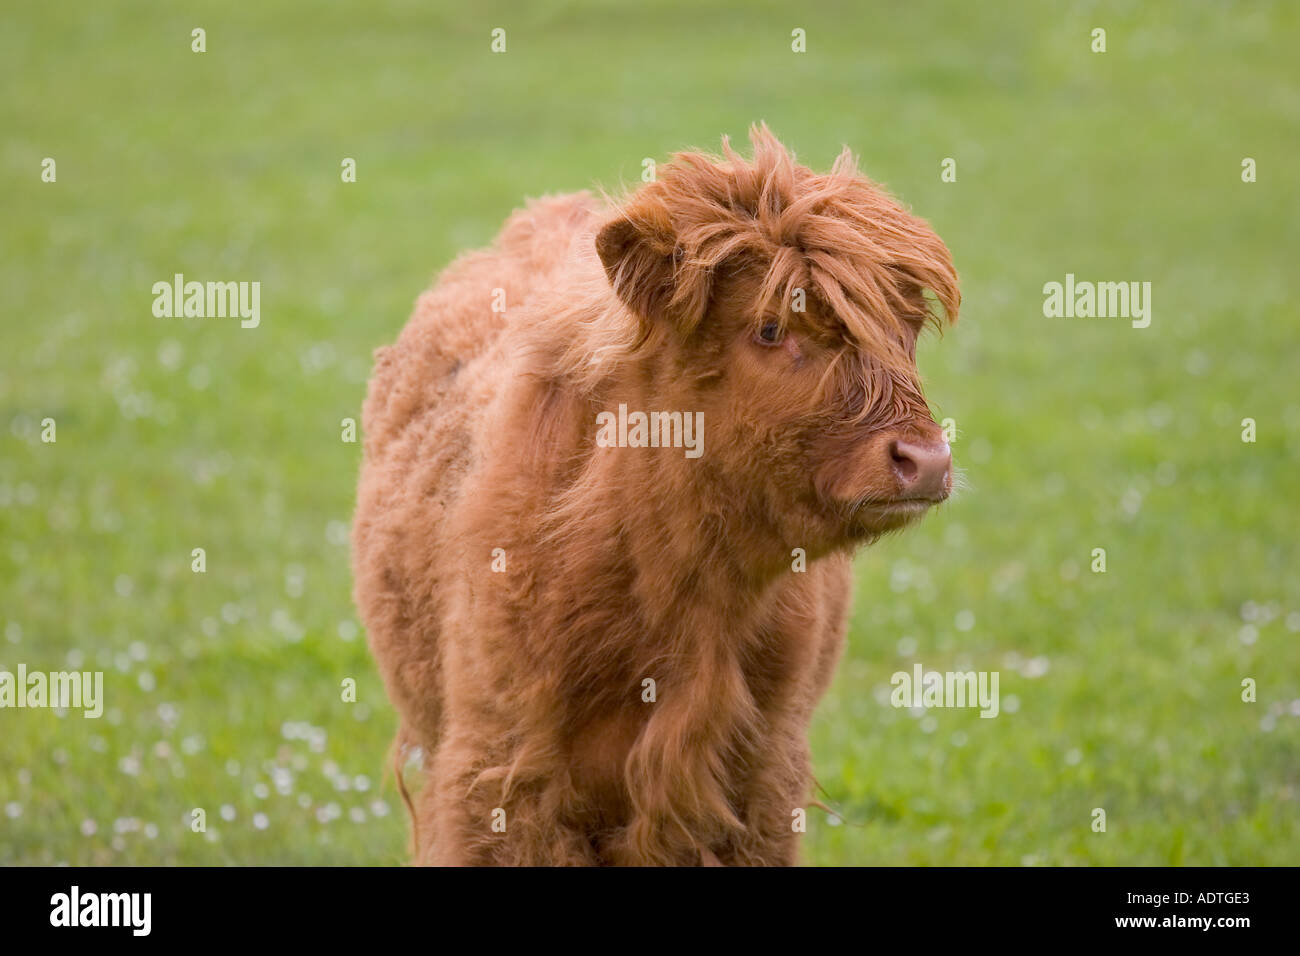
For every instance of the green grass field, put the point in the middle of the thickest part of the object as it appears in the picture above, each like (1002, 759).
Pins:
(1120, 690)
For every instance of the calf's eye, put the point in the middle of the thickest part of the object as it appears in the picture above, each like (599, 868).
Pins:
(769, 334)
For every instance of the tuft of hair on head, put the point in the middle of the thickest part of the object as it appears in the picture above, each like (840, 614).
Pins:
(867, 264)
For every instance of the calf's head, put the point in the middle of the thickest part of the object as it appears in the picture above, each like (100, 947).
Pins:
(786, 305)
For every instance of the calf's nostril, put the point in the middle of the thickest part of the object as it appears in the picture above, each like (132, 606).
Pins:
(904, 464)
(922, 469)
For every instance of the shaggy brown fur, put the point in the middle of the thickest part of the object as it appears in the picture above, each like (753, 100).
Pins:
(521, 672)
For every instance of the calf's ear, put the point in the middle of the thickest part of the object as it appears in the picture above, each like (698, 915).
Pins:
(639, 263)
(648, 268)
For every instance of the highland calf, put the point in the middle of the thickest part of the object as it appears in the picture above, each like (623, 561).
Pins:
(608, 652)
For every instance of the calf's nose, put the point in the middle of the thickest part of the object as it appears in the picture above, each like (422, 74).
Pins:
(922, 468)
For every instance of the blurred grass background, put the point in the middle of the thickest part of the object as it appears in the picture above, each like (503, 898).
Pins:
(1119, 690)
